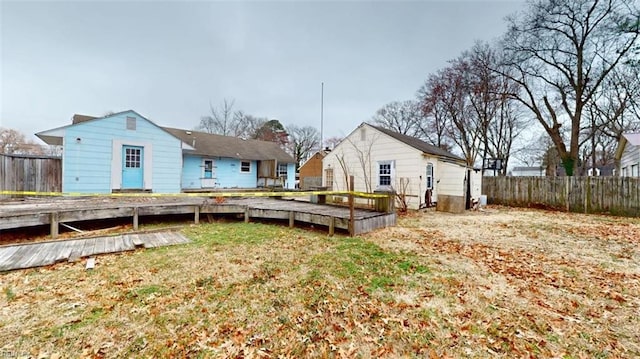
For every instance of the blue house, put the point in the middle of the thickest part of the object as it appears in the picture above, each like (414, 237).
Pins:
(125, 152)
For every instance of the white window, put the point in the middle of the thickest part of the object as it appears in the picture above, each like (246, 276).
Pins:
(385, 173)
(208, 169)
(133, 157)
(429, 175)
(245, 166)
(634, 170)
(282, 170)
(131, 123)
(625, 172)
(328, 178)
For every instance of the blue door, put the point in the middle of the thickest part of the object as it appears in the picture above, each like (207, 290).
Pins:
(132, 170)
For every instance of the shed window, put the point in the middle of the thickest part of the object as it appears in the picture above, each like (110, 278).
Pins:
(328, 178)
(131, 123)
(385, 173)
(429, 175)
(245, 166)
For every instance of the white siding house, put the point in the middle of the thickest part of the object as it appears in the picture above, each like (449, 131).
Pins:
(628, 155)
(382, 160)
(536, 171)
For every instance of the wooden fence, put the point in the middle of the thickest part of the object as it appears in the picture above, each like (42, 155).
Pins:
(30, 173)
(612, 195)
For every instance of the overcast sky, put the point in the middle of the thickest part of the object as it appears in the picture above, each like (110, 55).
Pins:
(169, 60)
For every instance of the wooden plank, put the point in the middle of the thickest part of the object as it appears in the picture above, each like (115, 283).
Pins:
(136, 240)
(109, 245)
(6, 252)
(100, 245)
(76, 251)
(136, 215)
(64, 251)
(181, 238)
(118, 242)
(94, 213)
(88, 247)
(128, 244)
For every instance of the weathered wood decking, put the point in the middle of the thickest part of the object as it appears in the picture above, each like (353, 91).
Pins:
(20, 256)
(53, 211)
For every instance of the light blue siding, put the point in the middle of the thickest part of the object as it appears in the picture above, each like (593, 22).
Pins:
(88, 149)
(227, 173)
(191, 172)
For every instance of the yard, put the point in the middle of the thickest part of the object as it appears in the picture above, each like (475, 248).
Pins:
(499, 283)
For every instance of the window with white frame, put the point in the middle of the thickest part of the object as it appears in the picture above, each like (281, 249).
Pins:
(282, 170)
(634, 170)
(625, 171)
(385, 173)
(208, 169)
(245, 166)
(328, 178)
(429, 175)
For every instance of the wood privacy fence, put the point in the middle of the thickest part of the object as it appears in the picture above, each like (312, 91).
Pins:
(30, 173)
(613, 195)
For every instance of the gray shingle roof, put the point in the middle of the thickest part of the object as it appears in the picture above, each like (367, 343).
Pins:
(207, 144)
(418, 144)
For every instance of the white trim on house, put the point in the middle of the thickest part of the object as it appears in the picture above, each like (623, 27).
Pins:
(116, 162)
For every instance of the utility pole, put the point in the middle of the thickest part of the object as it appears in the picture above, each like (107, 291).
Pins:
(321, 115)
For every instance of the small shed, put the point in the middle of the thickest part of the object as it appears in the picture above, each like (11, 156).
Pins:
(385, 160)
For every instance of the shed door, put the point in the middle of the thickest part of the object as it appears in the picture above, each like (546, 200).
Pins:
(132, 170)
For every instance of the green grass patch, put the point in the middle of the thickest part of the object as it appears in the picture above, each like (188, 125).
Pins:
(9, 294)
(91, 317)
(232, 233)
(366, 264)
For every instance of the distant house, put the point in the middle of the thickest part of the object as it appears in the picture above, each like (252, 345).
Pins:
(381, 159)
(628, 155)
(535, 171)
(311, 170)
(127, 152)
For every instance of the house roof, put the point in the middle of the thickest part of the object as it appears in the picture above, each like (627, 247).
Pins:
(54, 136)
(418, 144)
(207, 144)
(632, 138)
(81, 118)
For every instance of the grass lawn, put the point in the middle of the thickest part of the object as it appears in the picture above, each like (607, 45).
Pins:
(499, 283)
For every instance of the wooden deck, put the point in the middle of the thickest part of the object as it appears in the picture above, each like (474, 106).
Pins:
(53, 211)
(20, 256)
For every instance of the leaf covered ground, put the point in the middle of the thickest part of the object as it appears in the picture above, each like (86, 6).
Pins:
(499, 283)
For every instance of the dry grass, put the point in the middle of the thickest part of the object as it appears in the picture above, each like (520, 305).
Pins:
(499, 283)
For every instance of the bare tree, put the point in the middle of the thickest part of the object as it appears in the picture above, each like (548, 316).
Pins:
(247, 126)
(402, 117)
(221, 120)
(561, 53)
(332, 142)
(302, 141)
(14, 142)
(433, 125)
